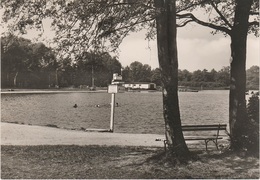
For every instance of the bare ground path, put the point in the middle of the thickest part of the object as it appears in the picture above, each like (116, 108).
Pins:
(17, 134)
(69, 154)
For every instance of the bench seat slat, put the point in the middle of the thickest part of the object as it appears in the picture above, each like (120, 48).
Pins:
(204, 125)
(201, 138)
(194, 126)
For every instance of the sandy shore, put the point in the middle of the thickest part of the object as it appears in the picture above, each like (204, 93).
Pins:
(16, 134)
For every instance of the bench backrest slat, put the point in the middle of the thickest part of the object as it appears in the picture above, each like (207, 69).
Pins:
(204, 127)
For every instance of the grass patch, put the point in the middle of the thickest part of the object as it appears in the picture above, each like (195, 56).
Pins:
(94, 162)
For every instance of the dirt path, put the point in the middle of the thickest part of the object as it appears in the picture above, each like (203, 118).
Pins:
(16, 134)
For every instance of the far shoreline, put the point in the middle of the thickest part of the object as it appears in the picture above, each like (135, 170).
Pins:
(98, 89)
(60, 90)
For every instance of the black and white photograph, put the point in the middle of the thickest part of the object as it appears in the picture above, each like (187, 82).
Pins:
(130, 89)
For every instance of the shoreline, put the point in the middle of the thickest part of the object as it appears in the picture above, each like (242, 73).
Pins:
(28, 91)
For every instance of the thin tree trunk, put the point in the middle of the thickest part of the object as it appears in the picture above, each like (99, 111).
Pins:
(168, 60)
(8, 79)
(237, 102)
(15, 79)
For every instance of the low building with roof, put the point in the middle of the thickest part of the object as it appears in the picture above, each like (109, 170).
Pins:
(140, 85)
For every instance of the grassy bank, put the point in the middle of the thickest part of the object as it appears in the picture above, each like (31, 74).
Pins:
(83, 162)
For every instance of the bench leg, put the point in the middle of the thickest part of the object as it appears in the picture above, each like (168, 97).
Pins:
(206, 143)
(214, 141)
(165, 144)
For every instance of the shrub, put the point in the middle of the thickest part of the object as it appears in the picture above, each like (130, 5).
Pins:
(252, 131)
(253, 108)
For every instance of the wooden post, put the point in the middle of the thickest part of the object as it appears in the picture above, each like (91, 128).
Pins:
(112, 112)
(113, 89)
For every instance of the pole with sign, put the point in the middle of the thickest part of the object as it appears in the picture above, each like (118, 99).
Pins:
(112, 88)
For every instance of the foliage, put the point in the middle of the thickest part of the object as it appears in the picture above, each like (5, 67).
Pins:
(156, 77)
(251, 128)
(204, 78)
(17, 53)
(219, 15)
(252, 78)
(223, 76)
(100, 63)
(34, 65)
(24, 61)
(253, 115)
(81, 25)
(253, 108)
(44, 65)
(137, 72)
(215, 79)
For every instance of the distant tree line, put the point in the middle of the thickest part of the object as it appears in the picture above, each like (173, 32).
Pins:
(25, 64)
(33, 65)
(252, 77)
(137, 72)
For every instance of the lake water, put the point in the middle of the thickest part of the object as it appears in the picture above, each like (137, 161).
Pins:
(137, 112)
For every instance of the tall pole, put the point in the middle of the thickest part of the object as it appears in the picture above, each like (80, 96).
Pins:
(112, 112)
(57, 83)
(92, 73)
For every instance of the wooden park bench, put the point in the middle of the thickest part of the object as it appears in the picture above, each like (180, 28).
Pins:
(206, 138)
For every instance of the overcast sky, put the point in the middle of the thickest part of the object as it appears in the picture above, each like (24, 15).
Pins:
(197, 49)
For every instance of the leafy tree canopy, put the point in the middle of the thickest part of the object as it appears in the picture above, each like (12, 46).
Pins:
(84, 25)
(81, 25)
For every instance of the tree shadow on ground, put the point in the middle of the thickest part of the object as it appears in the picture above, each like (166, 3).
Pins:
(237, 161)
(115, 162)
(203, 164)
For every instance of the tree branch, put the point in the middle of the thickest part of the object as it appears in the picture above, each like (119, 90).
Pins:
(192, 5)
(253, 23)
(184, 23)
(220, 14)
(194, 19)
(112, 3)
(253, 13)
(133, 24)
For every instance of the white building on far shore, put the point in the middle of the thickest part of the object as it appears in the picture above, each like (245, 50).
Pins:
(140, 85)
(117, 79)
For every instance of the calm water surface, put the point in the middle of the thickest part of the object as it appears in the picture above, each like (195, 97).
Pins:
(137, 112)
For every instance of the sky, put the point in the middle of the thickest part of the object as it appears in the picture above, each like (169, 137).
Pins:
(197, 49)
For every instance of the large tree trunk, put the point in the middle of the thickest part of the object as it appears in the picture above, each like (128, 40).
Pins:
(237, 102)
(168, 60)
